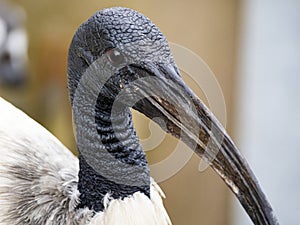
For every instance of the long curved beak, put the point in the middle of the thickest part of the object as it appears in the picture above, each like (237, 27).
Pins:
(186, 117)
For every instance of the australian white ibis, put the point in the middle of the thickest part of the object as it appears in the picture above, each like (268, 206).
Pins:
(117, 59)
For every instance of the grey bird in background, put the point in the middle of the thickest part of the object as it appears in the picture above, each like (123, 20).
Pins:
(118, 59)
(13, 45)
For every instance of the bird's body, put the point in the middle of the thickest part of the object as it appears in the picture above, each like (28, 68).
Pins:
(118, 59)
(39, 177)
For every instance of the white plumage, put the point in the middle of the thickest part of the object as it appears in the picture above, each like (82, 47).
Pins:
(38, 181)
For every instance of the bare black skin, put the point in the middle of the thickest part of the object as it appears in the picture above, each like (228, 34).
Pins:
(133, 48)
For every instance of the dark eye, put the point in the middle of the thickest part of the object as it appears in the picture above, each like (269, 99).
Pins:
(115, 56)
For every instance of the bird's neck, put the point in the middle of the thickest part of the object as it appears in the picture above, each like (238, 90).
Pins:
(110, 155)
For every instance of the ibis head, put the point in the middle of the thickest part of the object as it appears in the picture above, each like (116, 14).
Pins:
(118, 60)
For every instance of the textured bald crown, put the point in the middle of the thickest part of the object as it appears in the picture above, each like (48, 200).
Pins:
(122, 28)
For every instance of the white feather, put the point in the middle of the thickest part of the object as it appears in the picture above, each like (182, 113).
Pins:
(137, 209)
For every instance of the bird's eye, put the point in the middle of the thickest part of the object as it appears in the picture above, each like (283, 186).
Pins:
(115, 56)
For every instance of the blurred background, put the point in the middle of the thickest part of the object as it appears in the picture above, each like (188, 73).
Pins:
(253, 48)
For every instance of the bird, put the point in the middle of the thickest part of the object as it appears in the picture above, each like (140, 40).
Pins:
(13, 46)
(118, 60)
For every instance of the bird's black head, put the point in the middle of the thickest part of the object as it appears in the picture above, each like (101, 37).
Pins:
(115, 39)
(119, 59)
